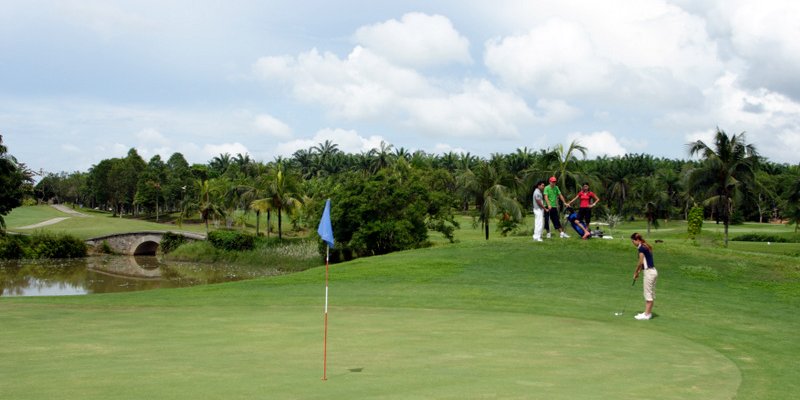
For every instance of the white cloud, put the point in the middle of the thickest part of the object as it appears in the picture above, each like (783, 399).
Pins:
(212, 150)
(626, 51)
(598, 144)
(272, 126)
(707, 136)
(365, 86)
(765, 34)
(443, 148)
(417, 40)
(151, 136)
(479, 110)
(539, 63)
(771, 120)
(348, 141)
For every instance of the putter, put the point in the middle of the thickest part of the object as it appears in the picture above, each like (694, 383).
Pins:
(618, 313)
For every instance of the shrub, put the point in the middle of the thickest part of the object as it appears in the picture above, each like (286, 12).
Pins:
(695, 222)
(171, 241)
(387, 211)
(12, 246)
(46, 245)
(231, 240)
(41, 245)
(759, 237)
(106, 248)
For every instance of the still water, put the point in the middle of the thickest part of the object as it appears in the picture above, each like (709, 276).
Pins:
(109, 274)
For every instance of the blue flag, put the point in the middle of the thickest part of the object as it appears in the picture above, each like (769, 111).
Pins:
(325, 230)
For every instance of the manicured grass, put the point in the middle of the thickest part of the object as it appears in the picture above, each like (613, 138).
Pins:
(94, 225)
(504, 318)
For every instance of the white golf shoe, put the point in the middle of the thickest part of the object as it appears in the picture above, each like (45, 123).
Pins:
(564, 235)
(643, 316)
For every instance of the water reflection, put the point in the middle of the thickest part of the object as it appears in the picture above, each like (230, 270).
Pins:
(108, 274)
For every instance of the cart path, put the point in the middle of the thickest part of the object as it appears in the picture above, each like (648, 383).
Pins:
(52, 221)
(67, 210)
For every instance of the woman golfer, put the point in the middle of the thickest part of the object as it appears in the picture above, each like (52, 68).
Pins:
(650, 275)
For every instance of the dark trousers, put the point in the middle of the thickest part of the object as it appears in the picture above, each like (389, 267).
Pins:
(553, 214)
(585, 215)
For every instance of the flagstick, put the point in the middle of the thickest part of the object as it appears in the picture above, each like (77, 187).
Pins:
(325, 340)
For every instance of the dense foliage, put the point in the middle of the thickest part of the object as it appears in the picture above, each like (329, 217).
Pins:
(695, 221)
(41, 245)
(171, 241)
(727, 178)
(231, 240)
(389, 211)
(13, 179)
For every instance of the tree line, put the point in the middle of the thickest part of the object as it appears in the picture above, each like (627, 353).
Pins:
(727, 178)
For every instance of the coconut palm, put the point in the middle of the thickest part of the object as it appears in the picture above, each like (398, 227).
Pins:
(563, 164)
(651, 197)
(728, 164)
(491, 187)
(207, 203)
(284, 191)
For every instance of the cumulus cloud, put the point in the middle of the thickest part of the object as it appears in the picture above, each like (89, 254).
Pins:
(348, 141)
(365, 86)
(598, 144)
(636, 49)
(151, 136)
(479, 110)
(272, 126)
(765, 30)
(774, 129)
(417, 40)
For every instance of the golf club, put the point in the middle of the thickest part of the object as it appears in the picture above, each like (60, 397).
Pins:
(618, 313)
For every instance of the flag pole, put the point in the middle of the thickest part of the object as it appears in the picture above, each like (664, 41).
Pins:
(325, 232)
(325, 338)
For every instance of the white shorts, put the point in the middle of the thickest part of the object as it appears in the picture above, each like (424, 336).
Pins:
(650, 278)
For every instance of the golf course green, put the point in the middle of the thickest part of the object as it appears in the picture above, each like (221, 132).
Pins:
(499, 319)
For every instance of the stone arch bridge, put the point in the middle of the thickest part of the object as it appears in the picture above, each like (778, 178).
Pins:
(137, 243)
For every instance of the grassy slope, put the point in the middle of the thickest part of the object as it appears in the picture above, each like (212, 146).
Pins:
(95, 225)
(497, 319)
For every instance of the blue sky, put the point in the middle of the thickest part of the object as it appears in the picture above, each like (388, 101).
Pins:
(82, 81)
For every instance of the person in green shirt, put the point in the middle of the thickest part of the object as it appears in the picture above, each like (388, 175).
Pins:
(551, 195)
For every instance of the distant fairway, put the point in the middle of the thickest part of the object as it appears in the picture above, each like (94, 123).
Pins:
(498, 319)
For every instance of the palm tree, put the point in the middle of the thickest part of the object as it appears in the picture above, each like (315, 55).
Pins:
(207, 202)
(564, 164)
(490, 186)
(219, 164)
(651, 197)
(284, 193)
(726, 166)
(382, 157)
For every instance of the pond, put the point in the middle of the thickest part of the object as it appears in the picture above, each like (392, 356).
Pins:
(109, 274)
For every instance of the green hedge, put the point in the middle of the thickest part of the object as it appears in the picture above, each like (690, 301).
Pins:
(41, 245)
(232, 240)
(759, 237)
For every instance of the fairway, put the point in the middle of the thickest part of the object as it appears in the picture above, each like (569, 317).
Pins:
(499, 319)
(373, 352)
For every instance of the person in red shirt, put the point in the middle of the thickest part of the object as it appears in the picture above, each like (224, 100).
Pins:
(586, 204)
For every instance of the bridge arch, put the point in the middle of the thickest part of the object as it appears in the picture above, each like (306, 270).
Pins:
(136, 243)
